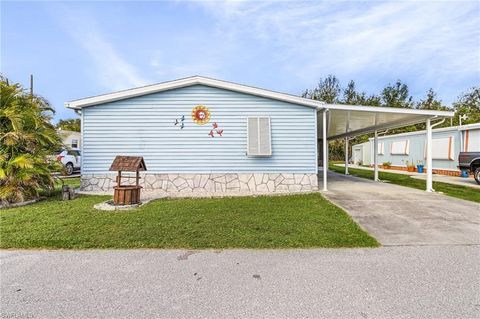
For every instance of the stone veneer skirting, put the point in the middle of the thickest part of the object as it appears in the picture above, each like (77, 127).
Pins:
(208, 183)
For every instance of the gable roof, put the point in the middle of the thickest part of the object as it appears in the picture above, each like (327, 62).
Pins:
(193, 80)
(348, 120)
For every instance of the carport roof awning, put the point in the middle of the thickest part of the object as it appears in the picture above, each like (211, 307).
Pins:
(343, 120)
(353, 120)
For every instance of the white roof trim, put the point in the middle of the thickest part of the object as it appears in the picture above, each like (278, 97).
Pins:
(437, 130)
(383, 109)
(194, 80)
(200, 80)
(472, 126)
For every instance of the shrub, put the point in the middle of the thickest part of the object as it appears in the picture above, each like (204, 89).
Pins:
(26, 139)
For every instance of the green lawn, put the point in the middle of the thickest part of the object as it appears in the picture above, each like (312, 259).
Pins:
(291, 221)
(458, 191)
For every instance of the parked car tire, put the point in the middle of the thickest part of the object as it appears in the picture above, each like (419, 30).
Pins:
(476, 175)
(69, 169)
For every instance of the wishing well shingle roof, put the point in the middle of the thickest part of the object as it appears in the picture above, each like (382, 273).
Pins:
(128, 164)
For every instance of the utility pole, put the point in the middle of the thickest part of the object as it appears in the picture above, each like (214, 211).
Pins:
(31, 84)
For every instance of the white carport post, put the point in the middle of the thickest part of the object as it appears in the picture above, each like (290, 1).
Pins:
(429, 157)
(346, 155)
(375, 156)
(325, 149)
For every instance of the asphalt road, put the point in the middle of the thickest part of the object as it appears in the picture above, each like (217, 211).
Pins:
(387, 282)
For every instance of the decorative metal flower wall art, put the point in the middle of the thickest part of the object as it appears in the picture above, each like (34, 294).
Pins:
(200, 114)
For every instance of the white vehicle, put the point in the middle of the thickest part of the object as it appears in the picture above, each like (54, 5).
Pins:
(71, 159)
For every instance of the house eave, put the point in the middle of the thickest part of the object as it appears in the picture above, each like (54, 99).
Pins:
(195, 80)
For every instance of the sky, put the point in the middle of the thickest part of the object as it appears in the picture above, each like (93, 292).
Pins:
(80, 49)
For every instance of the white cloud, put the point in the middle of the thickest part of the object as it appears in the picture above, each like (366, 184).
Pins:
(286, 46)
(439, 42)
(110, 69)
(174, 63)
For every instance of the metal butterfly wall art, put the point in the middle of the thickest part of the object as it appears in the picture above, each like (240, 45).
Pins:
(180, 121)
(215, 130)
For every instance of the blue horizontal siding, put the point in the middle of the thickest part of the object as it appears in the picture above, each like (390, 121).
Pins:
(144, 126)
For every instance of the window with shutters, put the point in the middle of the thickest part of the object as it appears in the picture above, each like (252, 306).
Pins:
(259, 142)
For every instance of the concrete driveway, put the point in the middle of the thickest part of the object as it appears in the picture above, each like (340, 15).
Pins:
(386, 282)
(397, 215)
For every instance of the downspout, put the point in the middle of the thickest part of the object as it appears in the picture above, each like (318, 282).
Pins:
(438, 123)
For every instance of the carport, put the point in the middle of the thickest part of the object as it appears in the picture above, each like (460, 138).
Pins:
(334, 121)
(337, 121)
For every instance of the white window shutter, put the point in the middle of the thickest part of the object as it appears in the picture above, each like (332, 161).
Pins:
(253, 138)
(264, 133)
(258, 136)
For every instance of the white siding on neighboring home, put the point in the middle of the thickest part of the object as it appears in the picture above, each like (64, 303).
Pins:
(144, 126)
(361, 153)
(357, 152)
(68, 138)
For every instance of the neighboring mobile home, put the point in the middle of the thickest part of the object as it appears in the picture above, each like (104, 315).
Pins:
(203, 135)
(361, 154)
(405, 148)
(71, 139)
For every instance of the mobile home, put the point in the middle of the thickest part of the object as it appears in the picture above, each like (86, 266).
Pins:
(202, 135)
(410, 148)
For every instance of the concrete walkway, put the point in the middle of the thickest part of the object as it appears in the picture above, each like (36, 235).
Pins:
(386, 282)
(398, 215)
(455, 180)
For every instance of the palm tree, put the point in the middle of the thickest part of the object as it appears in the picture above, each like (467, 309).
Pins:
(26, 139)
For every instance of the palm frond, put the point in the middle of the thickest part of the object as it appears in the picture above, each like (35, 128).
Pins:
(26, 137)
(22, 161)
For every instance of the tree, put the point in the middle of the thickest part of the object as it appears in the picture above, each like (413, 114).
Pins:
(26, 139)
(328, 90)
(431, 102)
(69, 125)
(373, 100)
(350, 94)
(353, 97)
(396, 96)
(468, 104)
